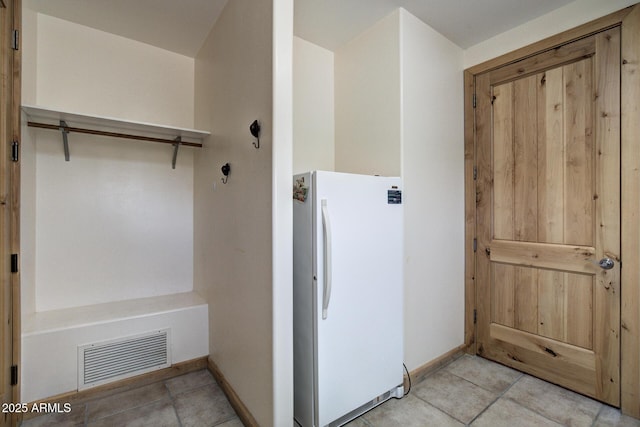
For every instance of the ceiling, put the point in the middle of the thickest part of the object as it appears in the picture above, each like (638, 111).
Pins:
(331, 23)
(181, 26)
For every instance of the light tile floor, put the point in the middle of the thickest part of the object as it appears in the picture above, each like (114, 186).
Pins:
(190, 400)
(470, 391)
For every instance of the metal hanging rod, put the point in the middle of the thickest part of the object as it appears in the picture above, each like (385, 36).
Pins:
(70, 129)
(62, 127)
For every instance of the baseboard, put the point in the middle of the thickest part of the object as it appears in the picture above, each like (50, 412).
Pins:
(423, 371)
(75, 397)
(237, 404)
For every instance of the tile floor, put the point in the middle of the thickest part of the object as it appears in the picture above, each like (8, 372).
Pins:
(470, 391)
(190, 400)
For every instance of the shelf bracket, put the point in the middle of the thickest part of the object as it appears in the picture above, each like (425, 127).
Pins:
(65, 142)
(178, 140)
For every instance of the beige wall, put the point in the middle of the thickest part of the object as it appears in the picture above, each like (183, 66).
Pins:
(432, 173)
(233, 222)
(113, 223)
(555, 22)
(367, 101)
(313, 114)
(81, 69)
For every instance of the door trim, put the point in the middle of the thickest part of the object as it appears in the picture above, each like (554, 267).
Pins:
(14, 196)
(629, 21)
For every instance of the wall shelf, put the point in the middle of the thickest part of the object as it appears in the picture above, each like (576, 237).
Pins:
(67, 122)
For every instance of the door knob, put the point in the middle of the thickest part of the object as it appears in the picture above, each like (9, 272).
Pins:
(606, 263)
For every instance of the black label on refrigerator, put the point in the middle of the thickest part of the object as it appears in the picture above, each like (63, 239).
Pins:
(394, 197)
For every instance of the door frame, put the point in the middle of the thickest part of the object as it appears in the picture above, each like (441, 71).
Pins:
(629, 21)
(12, 58)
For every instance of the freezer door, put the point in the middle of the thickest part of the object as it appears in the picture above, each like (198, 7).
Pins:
(358, 301)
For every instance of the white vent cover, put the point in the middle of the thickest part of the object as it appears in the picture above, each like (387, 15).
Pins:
(112, 360)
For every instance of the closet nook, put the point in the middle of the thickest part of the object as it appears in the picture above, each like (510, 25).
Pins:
(107, 253)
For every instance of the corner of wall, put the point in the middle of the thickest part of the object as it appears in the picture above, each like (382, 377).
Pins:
(314, 111)
(282, 212)
(233, 222)
(367, 101)
(108, 75)
(432, 170)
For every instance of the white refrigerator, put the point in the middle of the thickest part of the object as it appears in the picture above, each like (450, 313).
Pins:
(348, 295)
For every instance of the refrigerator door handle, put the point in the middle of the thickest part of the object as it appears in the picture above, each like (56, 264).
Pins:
(326, 228)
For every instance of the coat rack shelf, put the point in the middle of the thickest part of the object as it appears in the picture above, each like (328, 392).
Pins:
(66, 123)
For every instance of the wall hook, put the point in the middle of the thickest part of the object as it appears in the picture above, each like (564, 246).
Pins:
(254, 128)
(225, 171)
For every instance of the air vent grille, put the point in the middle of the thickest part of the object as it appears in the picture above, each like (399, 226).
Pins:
(108, 361)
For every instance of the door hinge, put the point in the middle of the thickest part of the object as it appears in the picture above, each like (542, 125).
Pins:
(475, 101)
(475, 316)
(15, 151)
(15, 40)
(14, 375)
(475, 244)
(14, 263)
(475, 173)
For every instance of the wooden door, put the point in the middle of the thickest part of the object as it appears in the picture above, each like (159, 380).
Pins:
(9, 206)
(548, 210)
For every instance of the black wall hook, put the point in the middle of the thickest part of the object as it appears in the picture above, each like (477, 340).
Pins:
(254, 128)
(225, 171)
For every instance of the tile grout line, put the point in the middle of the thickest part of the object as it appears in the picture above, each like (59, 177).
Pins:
(170, 396)
(528, 408)
(465, 380)
(196, 388)
(498, 398)
(173, 403)
(521, 374)
(124, 410)
(226, 420)
(597, 415)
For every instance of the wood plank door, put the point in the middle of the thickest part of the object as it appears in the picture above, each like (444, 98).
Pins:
(548, 210)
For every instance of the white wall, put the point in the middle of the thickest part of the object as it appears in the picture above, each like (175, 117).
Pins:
(80, 69)
(233, 223)
(313, 114)
(433, 177)
(113, 223)
(282, 212)
(367, 101)
(116, 222)
(27, 218)
(557, 21)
